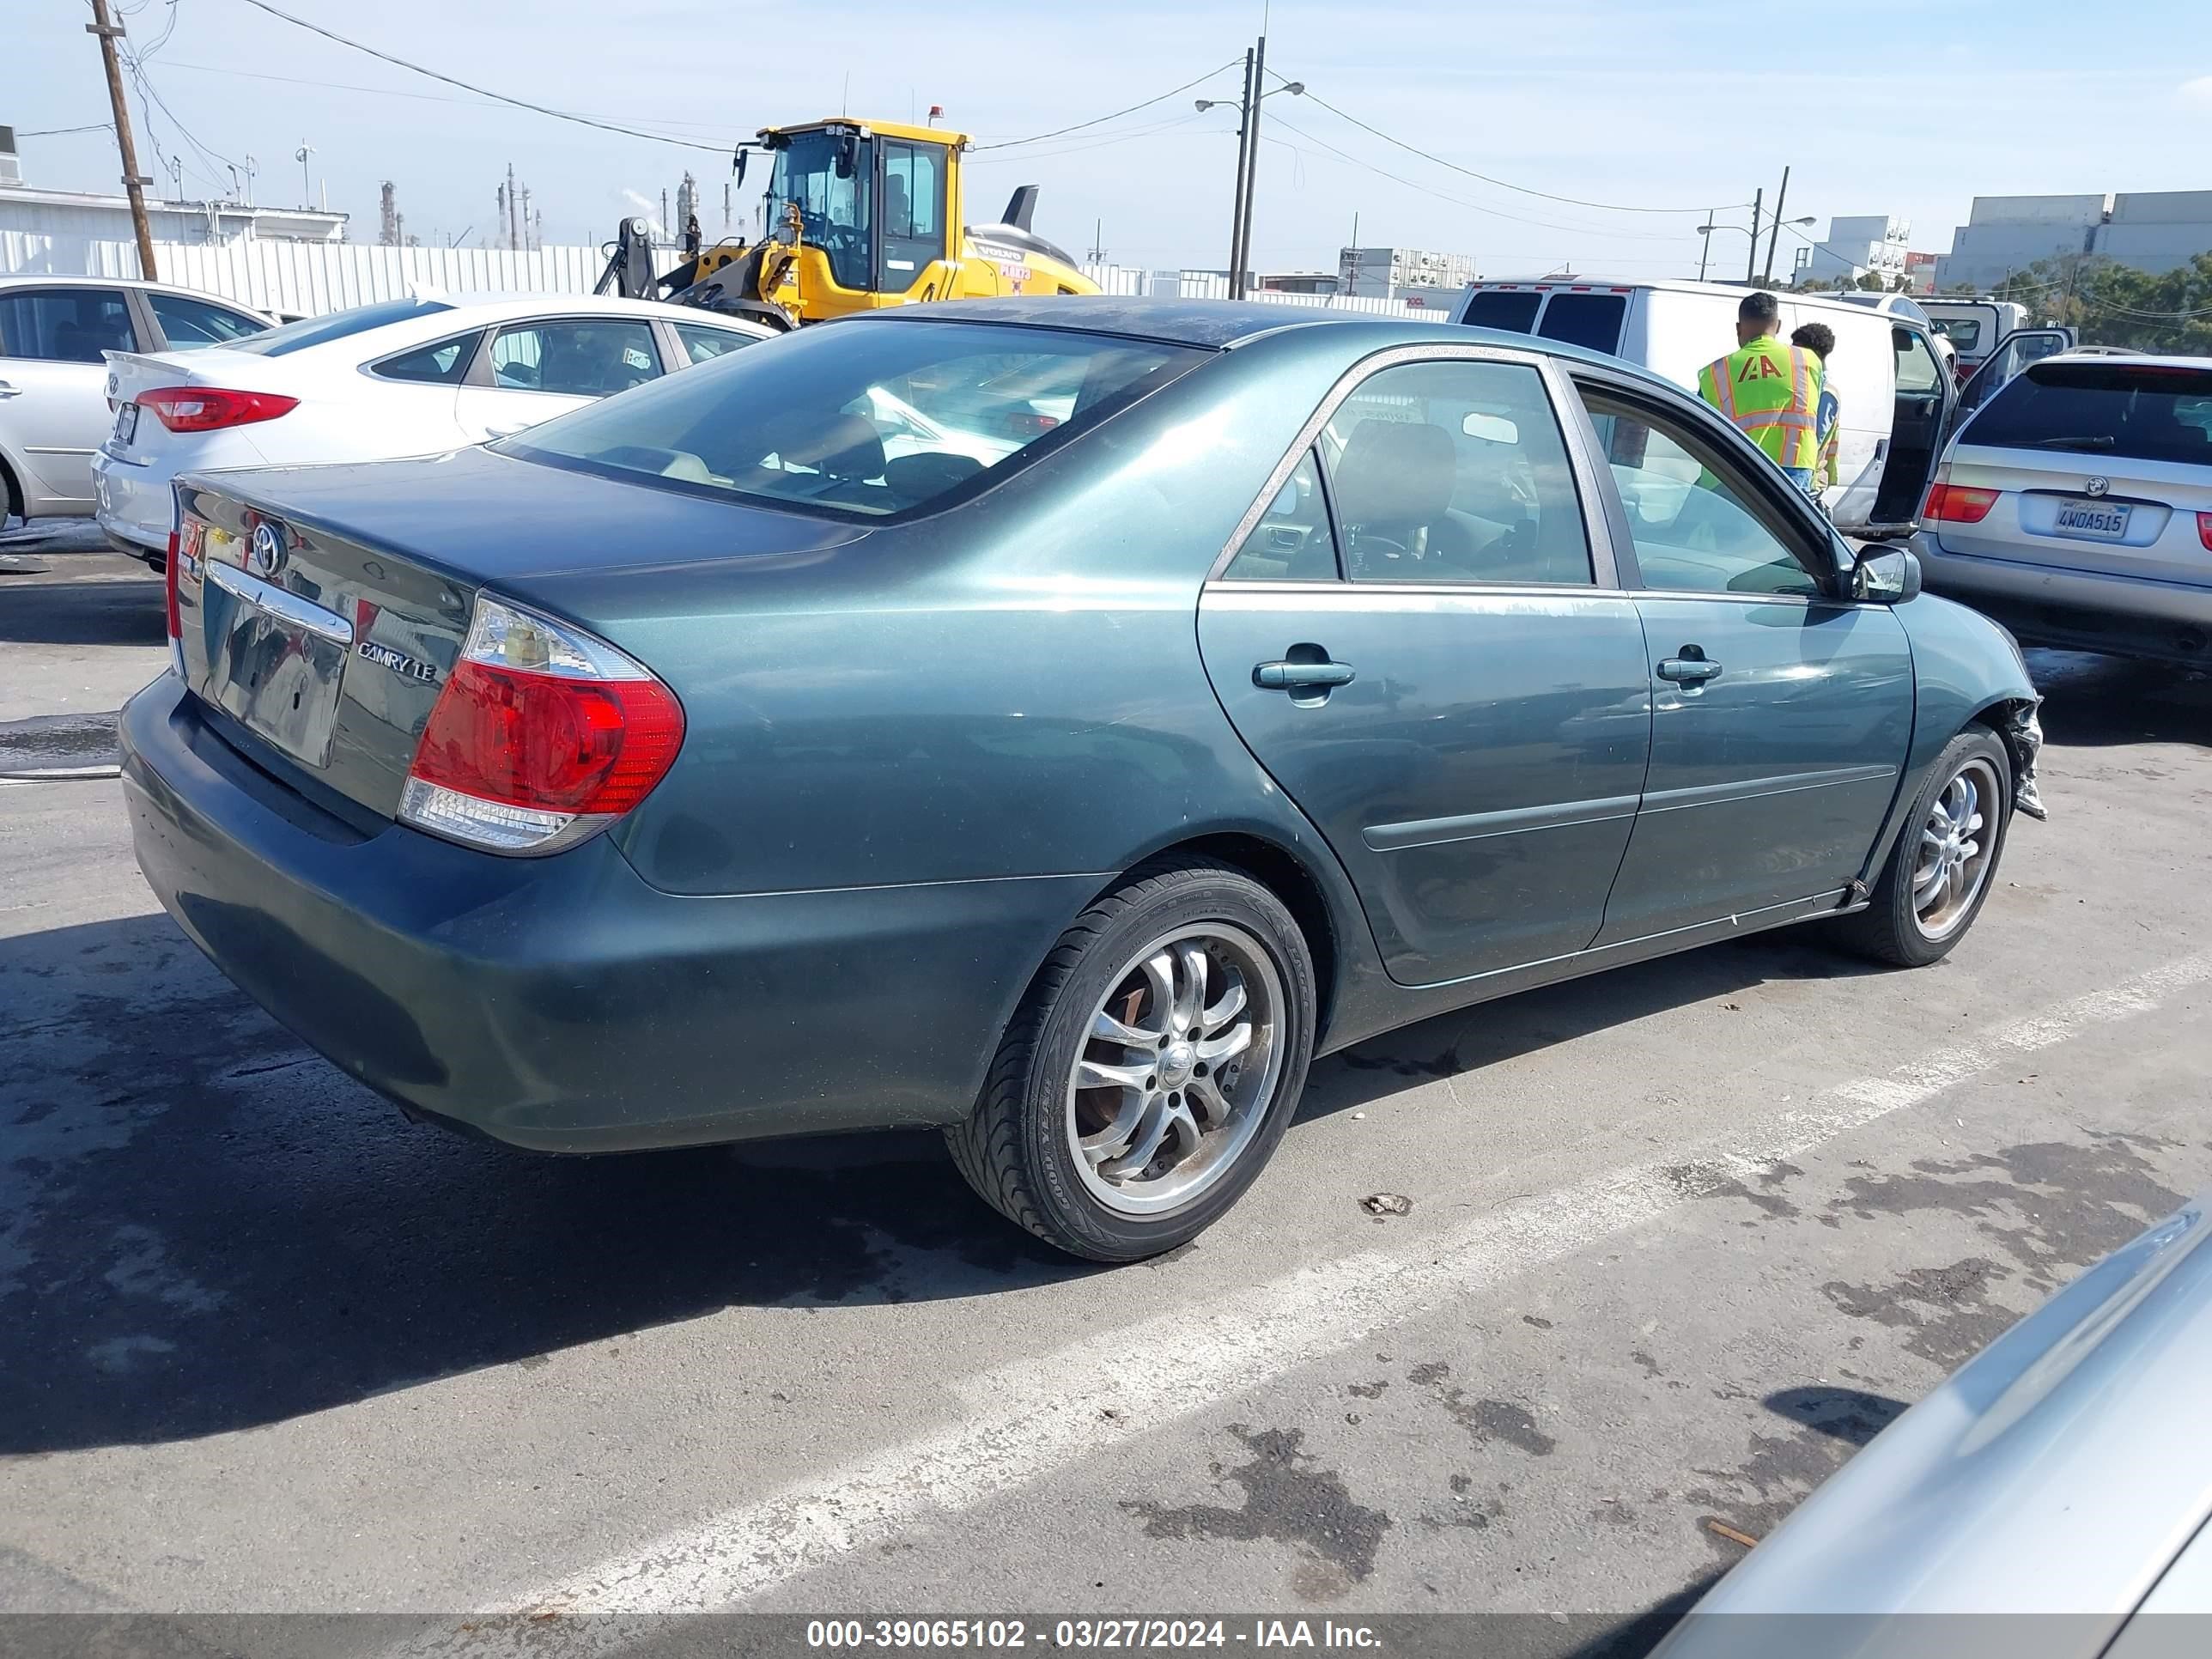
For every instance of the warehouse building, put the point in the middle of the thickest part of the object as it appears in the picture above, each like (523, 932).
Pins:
(2151, 231)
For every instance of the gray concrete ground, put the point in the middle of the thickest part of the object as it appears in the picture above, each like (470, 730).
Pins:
(1681, 1239)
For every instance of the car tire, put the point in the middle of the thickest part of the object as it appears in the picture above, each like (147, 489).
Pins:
(1155, 962)
(1966, 802)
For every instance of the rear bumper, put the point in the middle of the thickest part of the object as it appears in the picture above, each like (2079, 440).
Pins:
(2128, 616)
(562, 1003)
(134, 503)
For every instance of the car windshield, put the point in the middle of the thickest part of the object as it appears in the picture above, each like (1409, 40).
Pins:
(827, 175)
(860, 417)
(317, 331)
(2143, 412)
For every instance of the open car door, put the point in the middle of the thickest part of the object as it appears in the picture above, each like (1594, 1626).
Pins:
(2013, 353)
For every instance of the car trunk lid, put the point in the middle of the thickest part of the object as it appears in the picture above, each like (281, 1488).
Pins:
(321, 609)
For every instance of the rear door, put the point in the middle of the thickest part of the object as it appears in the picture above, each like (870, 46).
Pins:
(2100, 465)
(1780, 715)
(2015, 353)
(53, 379)
(533, 370)
(1421, 638)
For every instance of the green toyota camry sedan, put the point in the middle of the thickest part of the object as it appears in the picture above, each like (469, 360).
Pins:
(1056, 722)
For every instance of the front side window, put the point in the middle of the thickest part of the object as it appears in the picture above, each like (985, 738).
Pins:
(188, 324)
(1919, 372)
(866, 417)
(826, 175)
(1292, 541)
(913, 212)
(1694, 529)
(65, 325)
(1455, 471)
(593, 357)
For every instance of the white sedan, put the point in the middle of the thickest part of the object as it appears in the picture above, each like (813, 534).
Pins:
(403, 377)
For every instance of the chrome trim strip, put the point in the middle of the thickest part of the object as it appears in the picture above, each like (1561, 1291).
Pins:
(1479, 826)
(279, 602)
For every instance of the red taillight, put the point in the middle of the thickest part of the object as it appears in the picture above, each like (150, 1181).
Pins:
(169, 578)
(542, 741)
(1960, 503)
(207, 408)
(541, 734)
(2204, 530)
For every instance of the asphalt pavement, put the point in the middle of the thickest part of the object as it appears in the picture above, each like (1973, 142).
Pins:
(1675, 1242)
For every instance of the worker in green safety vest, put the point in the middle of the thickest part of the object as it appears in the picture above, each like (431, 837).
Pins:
(1769, 391)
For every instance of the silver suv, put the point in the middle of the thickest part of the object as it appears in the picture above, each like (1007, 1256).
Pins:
(2075, 507)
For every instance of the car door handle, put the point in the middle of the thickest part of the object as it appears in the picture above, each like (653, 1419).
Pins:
(7, 391)
(1688, 671)
(1300, 676)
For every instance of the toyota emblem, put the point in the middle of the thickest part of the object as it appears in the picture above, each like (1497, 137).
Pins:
(267, 556)
(2096, 486)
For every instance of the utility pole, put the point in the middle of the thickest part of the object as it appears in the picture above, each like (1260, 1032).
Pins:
(725, 207)
(526, 218)
(1774, 231)
(1751, 255)
(134, 186)
(1244, 145)
(1348, 277)
(1251, 166)
(1705, 243)
(1097, 242)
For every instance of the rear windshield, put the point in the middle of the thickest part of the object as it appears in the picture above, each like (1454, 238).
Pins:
(862, 417)
(1964, 332)
(2142, 412)
(316, 331)
(1585, 319)
(1498, 307)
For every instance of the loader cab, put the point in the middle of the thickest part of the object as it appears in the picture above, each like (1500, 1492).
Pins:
(876, 208)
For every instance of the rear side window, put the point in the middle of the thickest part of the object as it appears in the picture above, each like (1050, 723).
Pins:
(703, 344)
(317, 331)
(864, 418)
(1586, 319)
(65, 325)
(1498, 307)
(187, 324)
(441, 364)
(2141, 411)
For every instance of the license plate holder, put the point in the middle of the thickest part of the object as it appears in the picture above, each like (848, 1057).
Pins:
(274, 662)
(126, 425)
(2094, 520)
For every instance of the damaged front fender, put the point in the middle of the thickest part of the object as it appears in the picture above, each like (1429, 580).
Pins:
(2023, 736)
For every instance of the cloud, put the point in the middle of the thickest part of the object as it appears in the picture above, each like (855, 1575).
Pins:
(2197, 91)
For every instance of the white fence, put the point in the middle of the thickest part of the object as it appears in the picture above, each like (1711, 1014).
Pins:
(312, 277)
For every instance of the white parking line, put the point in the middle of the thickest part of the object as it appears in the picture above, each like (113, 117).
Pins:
(1043, 1414)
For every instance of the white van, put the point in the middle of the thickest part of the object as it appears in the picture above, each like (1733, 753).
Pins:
(1893, 390)
(1975, 327)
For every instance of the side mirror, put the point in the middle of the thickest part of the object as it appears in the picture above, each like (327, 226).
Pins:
(1886, 575)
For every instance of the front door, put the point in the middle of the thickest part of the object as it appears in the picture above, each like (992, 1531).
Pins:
(1780, 715)
(912, 241)
(1924, 396)
(53, 386)
(1413, 640)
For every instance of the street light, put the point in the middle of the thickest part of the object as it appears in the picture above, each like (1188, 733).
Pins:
(1707, 230)
(1247, 155)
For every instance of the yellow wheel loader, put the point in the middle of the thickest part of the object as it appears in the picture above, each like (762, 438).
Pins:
(859, 216)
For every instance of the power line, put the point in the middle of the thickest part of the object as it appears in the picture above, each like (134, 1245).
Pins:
(393, 92)
(1096, 120)
(1313, 97)
(485, 92)
(53, 132)
(1478, 207)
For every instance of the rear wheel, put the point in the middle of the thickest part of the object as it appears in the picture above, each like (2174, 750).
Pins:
(1938, 874)
(1153, 1068)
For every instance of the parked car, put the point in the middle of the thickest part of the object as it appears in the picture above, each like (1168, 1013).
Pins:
(2076, 506)
(2050, 1498)
(1891, 383)
(689, 769)
(54, 402)
(401, 377)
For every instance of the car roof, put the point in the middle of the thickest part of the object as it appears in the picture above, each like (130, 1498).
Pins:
(478, 306)
(68, 279)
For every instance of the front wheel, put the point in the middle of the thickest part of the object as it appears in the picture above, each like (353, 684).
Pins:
(1938, 875)
(1151, 1070)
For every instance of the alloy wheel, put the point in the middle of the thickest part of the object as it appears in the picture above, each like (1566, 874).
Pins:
(1956, 841)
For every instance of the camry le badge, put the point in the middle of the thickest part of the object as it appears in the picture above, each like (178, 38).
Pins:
(407, 667)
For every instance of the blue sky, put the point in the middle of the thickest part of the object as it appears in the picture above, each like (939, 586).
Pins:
(1886, 107)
